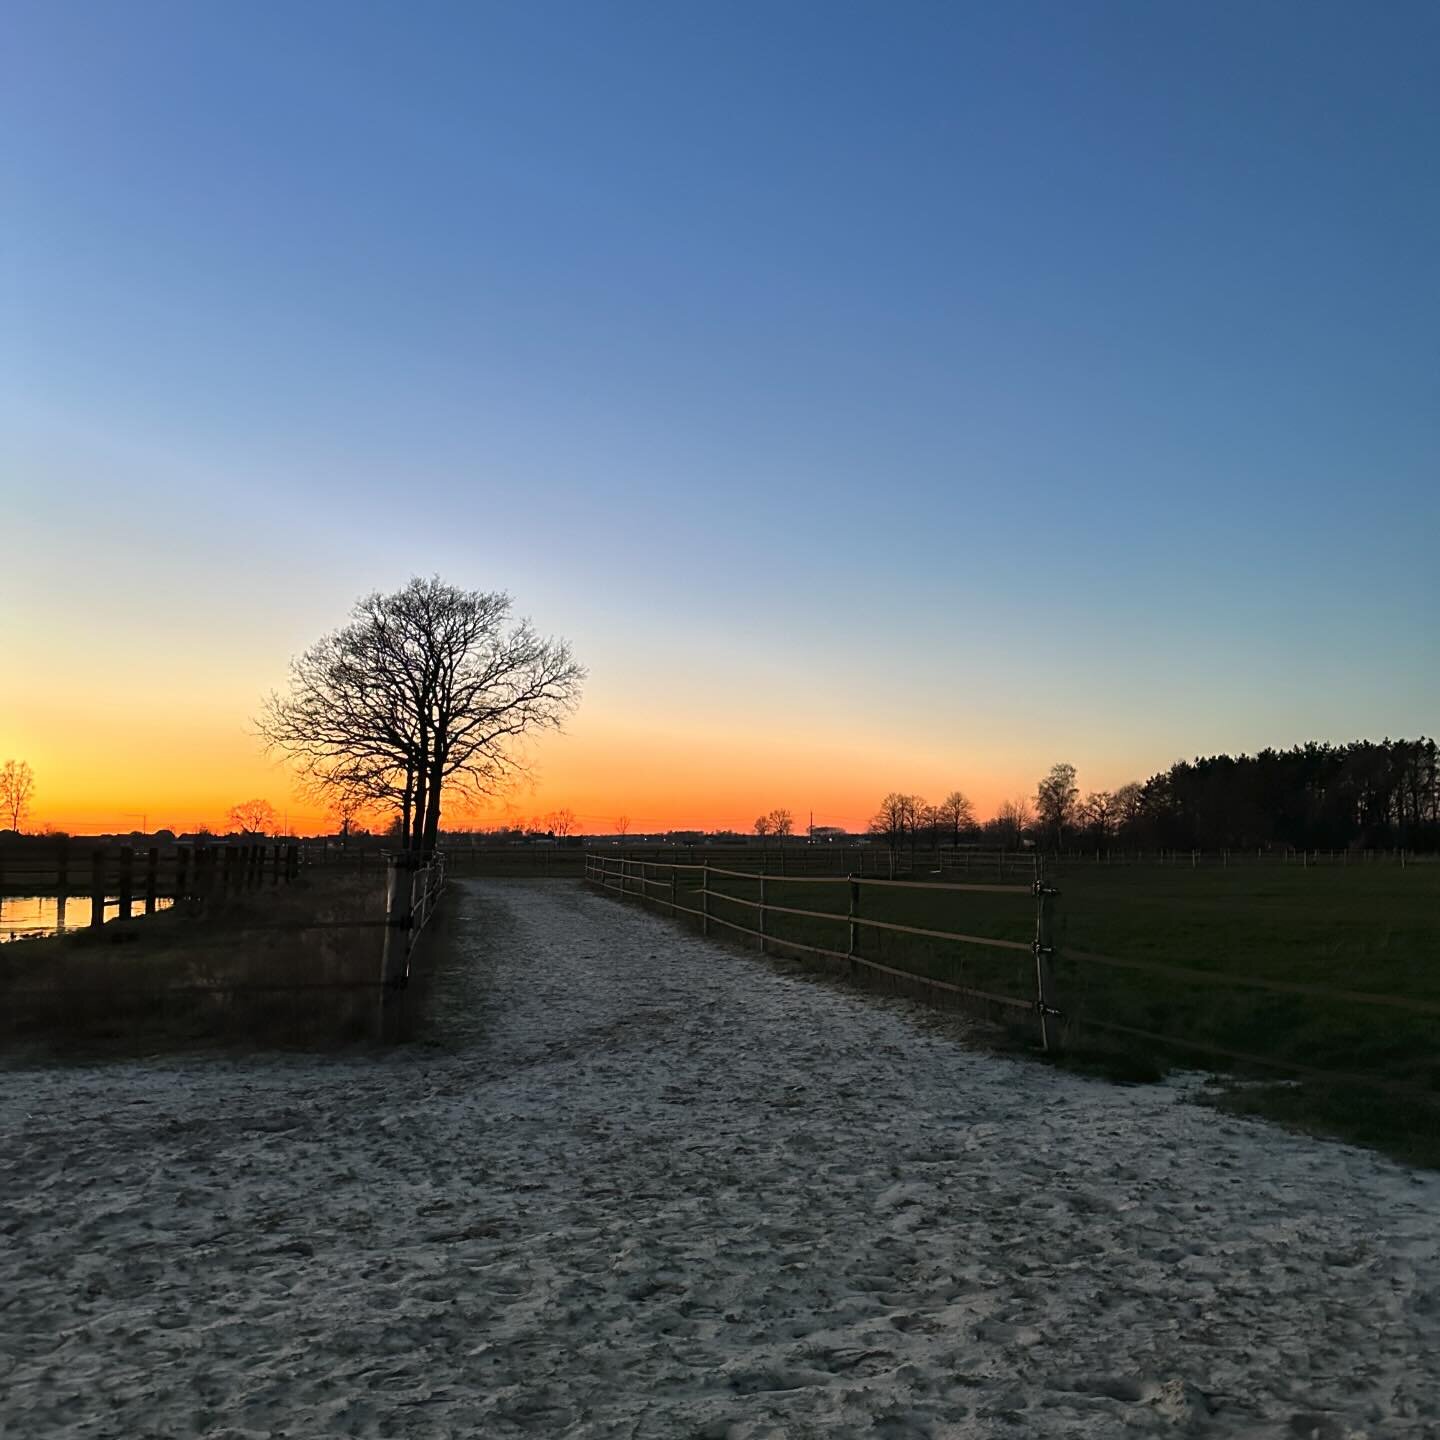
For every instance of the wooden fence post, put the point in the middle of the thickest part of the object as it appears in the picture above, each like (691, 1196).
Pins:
(97, 885)
(854, 910)
(673, 873)
(127, 860)
(62, 869)
(152, 877)
(399, 901)
(1044, 963)
(762, 906)
(705, 898)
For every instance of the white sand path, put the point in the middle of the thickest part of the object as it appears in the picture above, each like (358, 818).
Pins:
(647, 1186)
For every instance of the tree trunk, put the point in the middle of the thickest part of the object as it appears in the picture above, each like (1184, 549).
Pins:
(431, 835)
(415, 839)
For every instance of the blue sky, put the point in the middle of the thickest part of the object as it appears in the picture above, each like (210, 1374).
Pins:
(1061, 378)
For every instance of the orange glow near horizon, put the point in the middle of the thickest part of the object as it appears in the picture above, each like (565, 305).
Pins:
(171, 746)
(167, 771)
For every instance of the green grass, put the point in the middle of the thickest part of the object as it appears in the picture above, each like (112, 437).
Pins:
(1372, 929)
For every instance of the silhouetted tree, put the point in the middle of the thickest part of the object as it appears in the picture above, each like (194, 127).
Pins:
(622, 825)
(898, 819)
(346, 811)
(428, 689)
(782, 823)
(17, 788)
(561, 822)
(762, 826)
(1129, 806)
(1312, 796)
(889, 820)
(1012, 821)
(252, 817)
(1056, 800)
(1097, 812)
(956, 814)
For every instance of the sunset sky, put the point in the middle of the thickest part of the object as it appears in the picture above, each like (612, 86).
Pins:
(877, 396)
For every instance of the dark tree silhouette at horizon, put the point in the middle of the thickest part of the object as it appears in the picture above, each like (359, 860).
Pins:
(427, 690)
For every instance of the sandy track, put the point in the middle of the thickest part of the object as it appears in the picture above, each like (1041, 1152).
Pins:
(649, 1187)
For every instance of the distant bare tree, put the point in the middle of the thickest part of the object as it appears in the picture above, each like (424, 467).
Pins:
(427, 690)
(252, 817)
(17, 787)
(917, 813)
(1056, 802)
(1013, 819)
(1098, 813)
(622, 825)
(956, 814)
(560, 822)
(899, 816)
(762, 826)
(782, 823)
(346, 811)
(888, 822)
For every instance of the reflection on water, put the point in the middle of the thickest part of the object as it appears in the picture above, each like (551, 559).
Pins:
(25, 917)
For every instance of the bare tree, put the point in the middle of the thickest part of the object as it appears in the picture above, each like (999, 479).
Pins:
(782, 823)
(252, 817)
(917, 812)
(1098, 813)
(560, 822)
(1013, 819)
(622, 825)
(928, 824)
(427, 691)
(346, 812)
(1056, 801)
(956, 814)
(899, 816)
(762, 826)
(17, 787)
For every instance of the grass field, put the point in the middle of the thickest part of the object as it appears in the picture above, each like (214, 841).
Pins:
(1374, 930)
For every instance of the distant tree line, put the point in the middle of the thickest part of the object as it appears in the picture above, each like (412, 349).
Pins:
(1367, 794)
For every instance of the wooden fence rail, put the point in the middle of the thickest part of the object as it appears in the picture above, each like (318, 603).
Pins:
(413, 887)
(127, 878)
(631, 878)
(638, 879)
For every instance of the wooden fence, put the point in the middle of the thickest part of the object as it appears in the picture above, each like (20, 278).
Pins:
(658, 884)
(413, 887)
(655, 882)
(1225, 859)
(139, 879)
